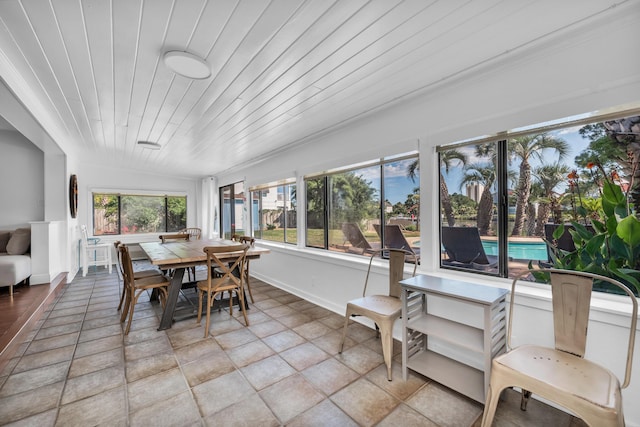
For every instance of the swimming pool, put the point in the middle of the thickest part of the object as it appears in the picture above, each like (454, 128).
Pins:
(519, 250)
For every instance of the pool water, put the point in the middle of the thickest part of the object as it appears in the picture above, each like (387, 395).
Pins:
(519, 250)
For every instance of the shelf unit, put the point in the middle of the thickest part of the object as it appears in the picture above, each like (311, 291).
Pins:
(451, 330)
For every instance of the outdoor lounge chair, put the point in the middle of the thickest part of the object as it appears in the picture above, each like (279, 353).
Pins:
(464, 249)
(393, 238)
(359, 243)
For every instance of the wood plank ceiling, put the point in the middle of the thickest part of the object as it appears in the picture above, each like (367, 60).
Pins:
(283, 71)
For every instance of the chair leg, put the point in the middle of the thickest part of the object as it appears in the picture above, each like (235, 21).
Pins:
(344, 330)
(249, 284)
(240, 293)
(387, 345)
(199, 306)
(210, 297)
(131, 309)
(490, 406)
(526, 394)
(121, 295)
(126, 306)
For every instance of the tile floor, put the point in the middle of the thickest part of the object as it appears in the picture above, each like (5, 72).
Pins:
(77, 368)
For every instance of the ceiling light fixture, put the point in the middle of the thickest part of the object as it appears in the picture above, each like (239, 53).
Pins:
(187, 64)
(150, 145)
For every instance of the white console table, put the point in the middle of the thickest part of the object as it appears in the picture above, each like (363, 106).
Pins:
(451, 331)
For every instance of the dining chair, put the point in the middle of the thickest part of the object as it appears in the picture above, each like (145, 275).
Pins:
(94, 254)
(136, 274)
(561, 374)
(195, 234)
(248, 240)
(174, 237)
(384, 310)
(226, 282)
(135, 287)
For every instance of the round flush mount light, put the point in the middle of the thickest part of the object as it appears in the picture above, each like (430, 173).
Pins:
(187, 64)
(150, 145)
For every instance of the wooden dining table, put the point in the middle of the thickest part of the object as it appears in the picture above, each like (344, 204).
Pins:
(179, 255)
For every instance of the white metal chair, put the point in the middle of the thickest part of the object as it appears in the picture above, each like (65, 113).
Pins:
(94, 254)
(561, 374)
(384, 310)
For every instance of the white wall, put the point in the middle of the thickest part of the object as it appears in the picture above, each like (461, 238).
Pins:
(571, 75)
(21, 181)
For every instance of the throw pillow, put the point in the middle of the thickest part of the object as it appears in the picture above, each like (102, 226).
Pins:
(19, 242)
(4, 239)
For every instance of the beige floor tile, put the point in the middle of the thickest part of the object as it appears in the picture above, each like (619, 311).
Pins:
(47, 418)
(444, 407)
(67, 311)
(267, 371)
(44, 358)
(186, 335)
(106, 408)
(250, 412)
(293, 320)
(291, 397)
(179, 410)
(93, 383)
(150, 365)
(508, 413)
(217, 394)
(54, 331)
(279, 311)
(365, 402)
(210, 366)
(38, 377)
(330, 375)
(324, 414)
(361, 359)
(98, 346)
(249, 353)
(397, 387)
(283, 340)
(235, 338)
(331, 342)
(359, 332)
(96, 362)
(267, 328)
(312, 330)
(334, 321)
(100, 332)
(196, 350)
(304, 355)
(317, 312)
(406, 417)
(267, 304)
(142, 334)
(52, 343)
(63, 320)
(155, 388)
(18, 406)
(147, 348)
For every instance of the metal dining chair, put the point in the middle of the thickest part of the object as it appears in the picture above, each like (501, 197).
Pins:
(562, 374)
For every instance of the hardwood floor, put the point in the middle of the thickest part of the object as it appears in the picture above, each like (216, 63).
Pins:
(19, 314)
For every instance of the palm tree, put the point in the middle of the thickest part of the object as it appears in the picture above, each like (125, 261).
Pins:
(485, 175)
(446, 160)
(548, 176)
(524, 149)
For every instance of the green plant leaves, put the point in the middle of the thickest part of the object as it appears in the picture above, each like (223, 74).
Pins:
(628, 230)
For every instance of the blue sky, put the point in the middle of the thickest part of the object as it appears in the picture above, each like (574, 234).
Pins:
(576, 143)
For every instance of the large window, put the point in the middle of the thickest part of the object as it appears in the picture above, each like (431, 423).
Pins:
(115, 213)
(347, 208)
(563, 195)
(274, 212)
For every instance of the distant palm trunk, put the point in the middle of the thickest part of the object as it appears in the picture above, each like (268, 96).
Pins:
(485, 212)
(544, 210)
(446, 202)
(524, 189)
(531, 219)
